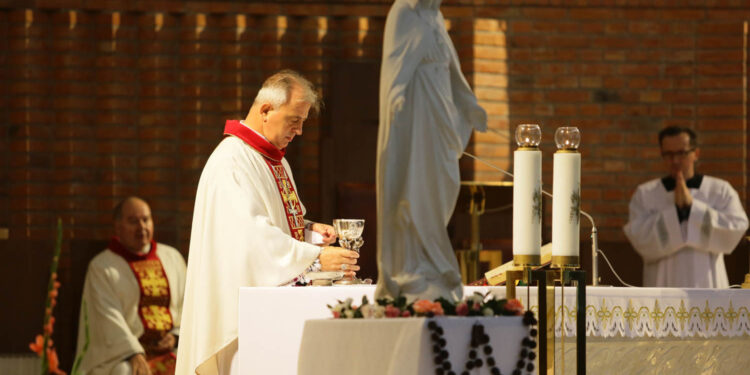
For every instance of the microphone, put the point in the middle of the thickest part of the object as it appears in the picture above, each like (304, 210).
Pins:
(595, 251)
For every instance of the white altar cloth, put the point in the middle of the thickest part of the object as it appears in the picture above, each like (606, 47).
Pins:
(402, 345)
(636, 330)
(271, 320)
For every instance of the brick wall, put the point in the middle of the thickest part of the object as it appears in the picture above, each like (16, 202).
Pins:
(101, 100)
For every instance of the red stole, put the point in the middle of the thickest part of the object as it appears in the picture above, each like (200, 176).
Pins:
(153, 306)
(273, 156)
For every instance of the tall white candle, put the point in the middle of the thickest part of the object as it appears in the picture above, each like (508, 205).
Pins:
(566, 204)
(527, 197)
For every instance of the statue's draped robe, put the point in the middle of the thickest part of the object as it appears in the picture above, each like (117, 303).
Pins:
(427, 114)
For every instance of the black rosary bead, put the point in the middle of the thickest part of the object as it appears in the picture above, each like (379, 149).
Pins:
(520, 363)
(478, 363)
(447, 365)
(431, 325)
(532, 344)
(435, 337)
(523, 352)
(530, 367)
(532, 356)
(443, 354)
(441, 342)
(472, 354)
(533, 332)
(490, 361)
(439, 371)
(487, 350)
(438, 360)
(516, 372)
(469, 365)
(436, 349)
(495, 371)
(439, 330)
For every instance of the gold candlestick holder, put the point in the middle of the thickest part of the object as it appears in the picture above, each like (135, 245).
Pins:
(545, 281)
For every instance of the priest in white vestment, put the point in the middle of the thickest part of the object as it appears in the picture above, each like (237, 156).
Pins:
(132, 299)
(427, 114)
(683, 224)
(248, 225)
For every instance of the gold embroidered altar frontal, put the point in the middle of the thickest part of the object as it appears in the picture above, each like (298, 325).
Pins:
(656, 330)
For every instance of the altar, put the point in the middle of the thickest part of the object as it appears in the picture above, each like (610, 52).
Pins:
(629, 330)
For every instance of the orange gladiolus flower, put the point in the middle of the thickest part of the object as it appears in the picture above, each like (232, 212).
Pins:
(54, 362)
(38, 345)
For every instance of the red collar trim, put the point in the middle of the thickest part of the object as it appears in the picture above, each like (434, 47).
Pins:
(235, 128)
(119, 249)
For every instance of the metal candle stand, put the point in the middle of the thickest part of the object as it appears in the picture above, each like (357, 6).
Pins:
(545, 281)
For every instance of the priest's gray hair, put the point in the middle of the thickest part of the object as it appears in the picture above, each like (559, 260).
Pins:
(277, 89)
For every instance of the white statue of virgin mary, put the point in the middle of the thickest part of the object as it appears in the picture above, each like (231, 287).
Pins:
(427, 114)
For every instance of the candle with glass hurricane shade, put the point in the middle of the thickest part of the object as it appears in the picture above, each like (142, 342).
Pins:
(527, 196)
(566, 198)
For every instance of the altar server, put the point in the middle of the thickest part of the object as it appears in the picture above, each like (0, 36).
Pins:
(248, 225)
(132, 300)
(684, 223)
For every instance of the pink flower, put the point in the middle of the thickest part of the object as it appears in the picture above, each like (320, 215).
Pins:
(405, 313)
(336, 314)
(476, 306)
(392, 311)
(462, 309)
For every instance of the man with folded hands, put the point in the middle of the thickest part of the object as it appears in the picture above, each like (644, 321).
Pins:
(684, 223)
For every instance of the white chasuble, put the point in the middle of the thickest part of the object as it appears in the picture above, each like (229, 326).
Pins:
(687, 253)
(112, 296)
(243, 234)
(427, 114)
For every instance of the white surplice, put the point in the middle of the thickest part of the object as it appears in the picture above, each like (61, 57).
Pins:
(240, 237)
(687, 254)
(427, 114)
(112, 293)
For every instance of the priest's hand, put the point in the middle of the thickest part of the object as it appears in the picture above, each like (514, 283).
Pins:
(339, 259)
(327, 231)
(139, 364)
(682, 197)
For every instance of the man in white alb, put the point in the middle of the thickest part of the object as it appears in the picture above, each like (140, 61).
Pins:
(132, 300)
(684, 223)
(248, 225)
